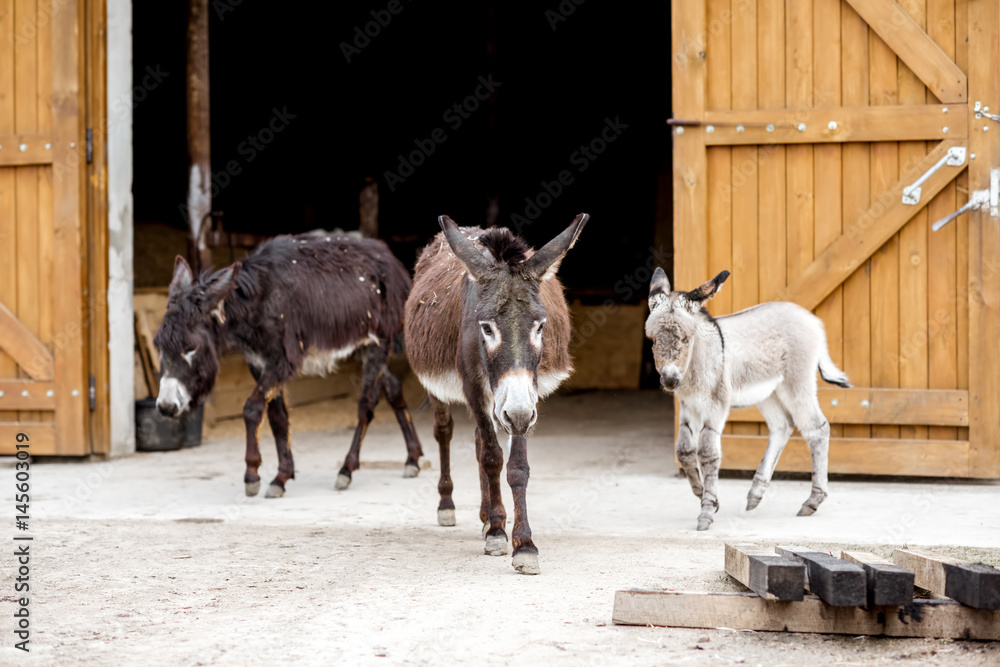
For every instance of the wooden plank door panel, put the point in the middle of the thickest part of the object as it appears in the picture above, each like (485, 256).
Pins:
(810, 119)
(43, 387)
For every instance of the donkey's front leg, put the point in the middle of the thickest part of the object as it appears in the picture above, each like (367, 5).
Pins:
(490, 465)
(710, 457)
(525, 554)
(687, 452)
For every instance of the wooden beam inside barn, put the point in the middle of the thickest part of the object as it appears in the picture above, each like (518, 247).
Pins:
(836, 582)
(973, 584)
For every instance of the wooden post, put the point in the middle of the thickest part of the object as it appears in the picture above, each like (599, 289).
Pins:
(368, 209)
(888, 584)
(973, 584)
(770, 576)
(199, 136)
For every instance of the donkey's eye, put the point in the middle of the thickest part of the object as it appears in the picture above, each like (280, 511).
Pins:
(487, 329)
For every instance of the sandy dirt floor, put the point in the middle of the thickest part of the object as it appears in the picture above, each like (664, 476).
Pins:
(159, 558)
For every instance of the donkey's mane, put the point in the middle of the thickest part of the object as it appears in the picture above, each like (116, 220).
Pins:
(504, 246)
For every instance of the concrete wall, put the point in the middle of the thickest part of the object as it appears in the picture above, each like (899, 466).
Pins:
(121, 341)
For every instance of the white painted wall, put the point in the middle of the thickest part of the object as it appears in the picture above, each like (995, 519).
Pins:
(121, 341)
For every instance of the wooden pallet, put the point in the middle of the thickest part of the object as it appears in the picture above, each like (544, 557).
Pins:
(859, 594)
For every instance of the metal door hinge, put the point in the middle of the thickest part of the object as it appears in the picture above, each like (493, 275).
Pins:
(93, 394)
(955, 157)
(90, 145)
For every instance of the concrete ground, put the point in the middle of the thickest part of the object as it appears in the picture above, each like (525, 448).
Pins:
(161, 559)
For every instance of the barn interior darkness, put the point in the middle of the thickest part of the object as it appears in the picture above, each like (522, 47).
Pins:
(298, 120)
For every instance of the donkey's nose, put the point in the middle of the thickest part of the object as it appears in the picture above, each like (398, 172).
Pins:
(520, 421)
(670, 376)
(167, 409)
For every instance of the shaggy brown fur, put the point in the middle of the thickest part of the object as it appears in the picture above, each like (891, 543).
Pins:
(434, 312)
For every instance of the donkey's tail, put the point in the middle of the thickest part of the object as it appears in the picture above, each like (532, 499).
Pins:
(829, 371)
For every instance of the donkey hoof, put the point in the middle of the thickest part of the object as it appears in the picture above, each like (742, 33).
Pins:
(446, 517)
(343, 481)
(752, 503)
(275, 491)
(704, 522)
(807, 511)
(526, 563)
(252, 488)
(411, 470)
(496, 545)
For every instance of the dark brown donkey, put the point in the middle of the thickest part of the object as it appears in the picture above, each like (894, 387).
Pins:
(487, 325)
(298, 305)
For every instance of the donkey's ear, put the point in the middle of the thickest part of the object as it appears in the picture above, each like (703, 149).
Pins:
(473, 258)
(545, 263)
(659, 288)
(708, 290)
(219, 287)
(182, 277)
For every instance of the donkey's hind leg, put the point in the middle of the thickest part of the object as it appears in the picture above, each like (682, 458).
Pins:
(443, 427)
(811, 422)
(779, 426)
(277, 416)
(393, 389)
(373, 362)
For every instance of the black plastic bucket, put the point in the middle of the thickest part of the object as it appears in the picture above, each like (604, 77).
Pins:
(192, 426)
(153, 431)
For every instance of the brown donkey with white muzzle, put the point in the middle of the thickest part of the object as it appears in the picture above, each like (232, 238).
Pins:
(298, 305)
(487, 325)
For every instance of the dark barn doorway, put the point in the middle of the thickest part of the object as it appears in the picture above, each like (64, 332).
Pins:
(308, 100)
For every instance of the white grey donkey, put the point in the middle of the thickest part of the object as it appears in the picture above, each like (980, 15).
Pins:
(766, 356)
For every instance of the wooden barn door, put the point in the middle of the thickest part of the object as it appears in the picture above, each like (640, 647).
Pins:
(809, 118)
(43, 386)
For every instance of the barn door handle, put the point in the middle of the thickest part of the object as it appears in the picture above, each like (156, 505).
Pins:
(979, 199)
(955, 157)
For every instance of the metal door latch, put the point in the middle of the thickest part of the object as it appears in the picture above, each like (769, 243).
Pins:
(955, 157)
(979, 199)
(982, 111)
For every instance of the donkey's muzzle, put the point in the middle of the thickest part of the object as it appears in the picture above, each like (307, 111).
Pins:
(168, 409)
(518, 423)
(514, 401)
(669, 382)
